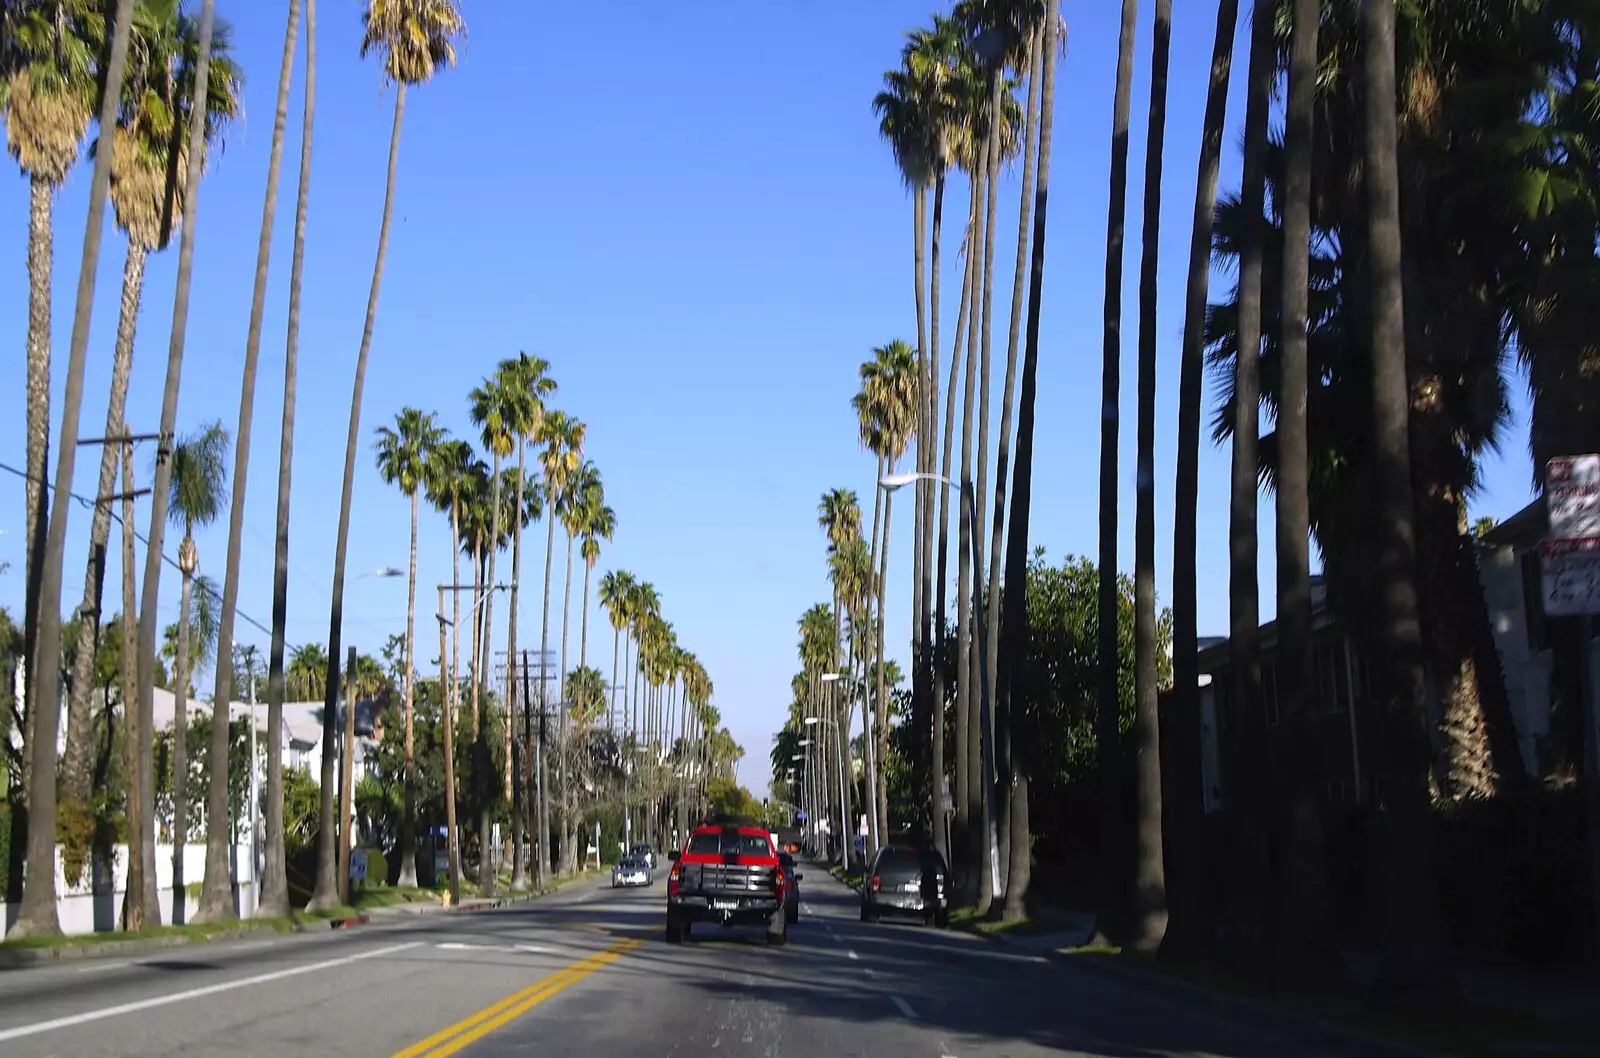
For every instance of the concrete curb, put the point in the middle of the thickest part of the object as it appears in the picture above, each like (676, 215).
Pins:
(1253, 1012)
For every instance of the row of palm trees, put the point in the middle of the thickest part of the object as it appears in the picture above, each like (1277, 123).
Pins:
(1378, 466)
(161, 81)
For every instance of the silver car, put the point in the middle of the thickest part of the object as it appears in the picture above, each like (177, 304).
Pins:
(631, 871)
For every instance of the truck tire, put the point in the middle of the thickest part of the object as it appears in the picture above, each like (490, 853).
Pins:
(677, 929)
(778, 929)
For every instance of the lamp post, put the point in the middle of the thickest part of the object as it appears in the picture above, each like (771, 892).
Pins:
(890, 483)
(844, 822)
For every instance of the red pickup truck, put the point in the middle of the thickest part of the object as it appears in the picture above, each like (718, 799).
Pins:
(727, 873)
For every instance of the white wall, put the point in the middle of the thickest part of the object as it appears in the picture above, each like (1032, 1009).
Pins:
(82, 910)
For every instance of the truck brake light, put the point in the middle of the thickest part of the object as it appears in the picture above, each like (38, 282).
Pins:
(672, 881)
(876, 883)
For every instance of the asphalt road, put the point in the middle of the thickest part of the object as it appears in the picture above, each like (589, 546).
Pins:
(586, 972)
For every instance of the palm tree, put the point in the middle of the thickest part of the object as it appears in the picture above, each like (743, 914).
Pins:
(47, 91)
(839, 515)
(1106, 734)
(37, 914)
(599, 523)
(527, 379)
(616, 589)
(403, 453)
(1412, 955)
(1150, 885)
(307, 670)
(414, 39)
(274, 874)
(562, 438)
(886, 407)
(447, 481)
(1014, 619)
(1185, 545)
(146, 202)
(578, 493)
(195, 84)
(1244, 604)
(198, 491)
(496, 408)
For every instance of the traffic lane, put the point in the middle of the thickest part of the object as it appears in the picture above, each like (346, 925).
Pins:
(985, 996)
(376, 995)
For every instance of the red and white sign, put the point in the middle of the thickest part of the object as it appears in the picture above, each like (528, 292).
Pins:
(1570, 553)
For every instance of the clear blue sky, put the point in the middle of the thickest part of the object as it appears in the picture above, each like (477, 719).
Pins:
(704, 235)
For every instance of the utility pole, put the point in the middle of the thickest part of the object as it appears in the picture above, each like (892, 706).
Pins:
(446, 697)
(346, 767)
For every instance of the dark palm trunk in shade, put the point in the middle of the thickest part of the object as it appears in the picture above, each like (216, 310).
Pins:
(514, 701)
(1411, 958)
(326, 893)
(1188, 904)
(482, 675)
(547, 863)
(919, 259)
(274, 874)
(1149, 882)
(407, 878)
(1108, 706)
(569, 860)
(1014, 618)
(37, 915)
(979, 638)
(958, 853)
(1247, 845)
(1300, 922)
(969, 576)
(880, 730)
(933, 707)
(139, 906)
(869, 745)
(999, 691)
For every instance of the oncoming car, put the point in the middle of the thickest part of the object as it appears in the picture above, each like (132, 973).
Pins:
(631, 871)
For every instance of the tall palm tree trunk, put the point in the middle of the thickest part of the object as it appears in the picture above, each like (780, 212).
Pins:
(569, 853)
(37, 916)
(868, 728)
(1014, 617)
(583, 619)
(1247, 845)
(611, 691)
(1150, 884)
(453, 716)
(180, 750)
(547, 861)
(1188, 904)
(880, 730)
(969, 531)
(274, 898)
(1300, 925)
(519, 868)
(41, 268)
(998, 690)
(483, 673)
(326, 892)
(929, 661)
(408, 835)
(1106, 715)
(77, 763)
(1411, 913)
(475, 662)
(957, 856)
(140, 906)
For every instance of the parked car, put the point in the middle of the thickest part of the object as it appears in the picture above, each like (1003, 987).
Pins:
(728, 873)
(906, 881)
(791, 897)
(630, 871)
(647, 853)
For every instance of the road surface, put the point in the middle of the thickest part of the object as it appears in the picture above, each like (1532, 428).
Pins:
(586, 973)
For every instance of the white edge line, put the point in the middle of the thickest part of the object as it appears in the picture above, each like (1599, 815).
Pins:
(99, 967)
(853, 955)
(905, 1008)
(193, 993)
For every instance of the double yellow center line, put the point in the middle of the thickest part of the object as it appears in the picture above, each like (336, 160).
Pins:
(469, 1030)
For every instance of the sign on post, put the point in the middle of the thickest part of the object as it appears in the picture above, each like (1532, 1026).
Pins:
(1570, 552)
(358, 865)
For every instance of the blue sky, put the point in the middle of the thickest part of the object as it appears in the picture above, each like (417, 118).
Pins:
(704, 235)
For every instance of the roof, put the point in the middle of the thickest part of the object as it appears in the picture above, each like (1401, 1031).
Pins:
(1527, 526)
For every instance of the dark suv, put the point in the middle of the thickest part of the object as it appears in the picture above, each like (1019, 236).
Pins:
(906, 881)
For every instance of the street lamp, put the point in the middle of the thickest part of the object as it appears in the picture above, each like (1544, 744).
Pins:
(890, 483)
(844, 816)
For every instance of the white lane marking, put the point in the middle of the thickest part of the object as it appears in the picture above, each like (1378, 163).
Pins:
(194, 993)
(519, 948)
(252, 946)
(905, 1008)
(98, 967)
(852, 954)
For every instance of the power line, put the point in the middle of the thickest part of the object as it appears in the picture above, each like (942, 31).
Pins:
(88, 504)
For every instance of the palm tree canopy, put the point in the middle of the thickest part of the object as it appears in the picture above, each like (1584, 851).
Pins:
(149, 159)
(414, 37)
(886, 405)
(562, 437)
(203, 626)
(445, 477)
(405, 448)
(199, 477)
(616, 596)
(839, 515)
(527, 383)
(48, 55)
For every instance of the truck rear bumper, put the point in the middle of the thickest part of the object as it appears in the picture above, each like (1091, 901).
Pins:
(732, 910)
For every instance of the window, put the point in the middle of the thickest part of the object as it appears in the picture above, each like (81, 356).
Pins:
(1333, 679)
(728, 843)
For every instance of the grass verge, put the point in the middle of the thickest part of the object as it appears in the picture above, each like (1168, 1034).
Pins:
(386, 896)
(193, 931)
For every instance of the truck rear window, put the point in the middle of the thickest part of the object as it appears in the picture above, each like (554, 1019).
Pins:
(728, 843)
